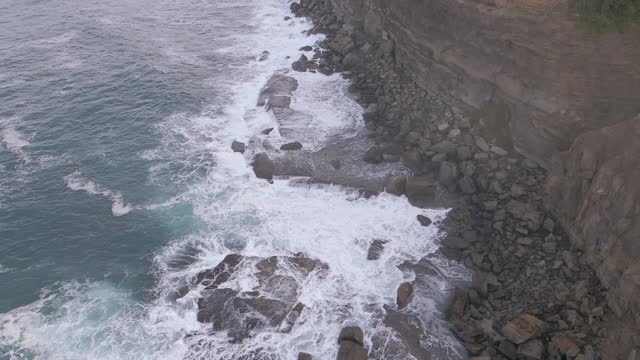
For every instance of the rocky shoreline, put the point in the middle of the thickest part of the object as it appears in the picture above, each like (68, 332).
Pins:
(532, 296)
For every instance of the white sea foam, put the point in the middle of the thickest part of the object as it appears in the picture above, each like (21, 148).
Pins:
(13, 140)
(96, 320)
(4, 269)
(77, 182)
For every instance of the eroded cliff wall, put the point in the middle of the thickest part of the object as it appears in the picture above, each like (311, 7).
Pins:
(531, 74)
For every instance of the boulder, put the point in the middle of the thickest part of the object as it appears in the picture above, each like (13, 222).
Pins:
(373, 155)
(445, 147)
(353, 60)
(299, 66)
(304, 356)
(531, 350)
(238, 146)
(419, 188)
(523, 328)
(291, 146)
(353, 334)
(566, 344)
(341, 44)
(351, 351)
(351, 340)
(263, 166)
(396, 185)
(423, 220)
(404, 295)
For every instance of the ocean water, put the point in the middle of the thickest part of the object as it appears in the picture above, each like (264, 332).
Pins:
(118, 184)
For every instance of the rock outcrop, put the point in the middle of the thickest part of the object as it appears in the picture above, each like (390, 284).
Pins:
(271, 306)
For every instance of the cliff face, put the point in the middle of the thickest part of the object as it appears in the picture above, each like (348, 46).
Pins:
(531, 74)
(535, 80)
(594, 188)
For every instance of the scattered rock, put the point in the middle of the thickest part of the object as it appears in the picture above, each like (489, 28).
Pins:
(291, 146)
(566, 344)
(237, 146)
(531, 350)
(263, 56)
(267, 131)
(304, 356)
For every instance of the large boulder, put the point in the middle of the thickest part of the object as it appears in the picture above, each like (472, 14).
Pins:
(351, 340)
(420, 188)
(263, 167)
(404, 295)
(278, 85)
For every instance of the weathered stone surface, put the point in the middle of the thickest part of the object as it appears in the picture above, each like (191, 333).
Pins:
(373, 155)
(263, 167)
(351, 351)
(523, 328)
(304, 356)
(526, 67)
(405, 295)
(457, 304)
(277, 86)
(594, 190)
(566, 344)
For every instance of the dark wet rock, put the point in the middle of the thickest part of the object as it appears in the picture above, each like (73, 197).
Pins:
(467, 185)
(271, 306)
(279, 101)
(351, 351)
(291, 146)
(353, 334)
(420, 188)
(424, 221)
(410, 331)
(412, 160)
(373, 155)
(263, 56)
(237, 146)
(306, 48)
(304, 356)
(336, 164)
(263, 167)
(404, 295)
(375, 250)
(396, 185)
(523, 328)
(299, 66)
(455, 242)
(267, 131)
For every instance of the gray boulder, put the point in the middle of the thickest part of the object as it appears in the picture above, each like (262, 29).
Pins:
(263, 167)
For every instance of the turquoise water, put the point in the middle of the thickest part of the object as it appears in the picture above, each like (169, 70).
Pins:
(118, 185)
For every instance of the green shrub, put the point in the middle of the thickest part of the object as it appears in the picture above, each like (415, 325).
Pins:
(605, 15)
